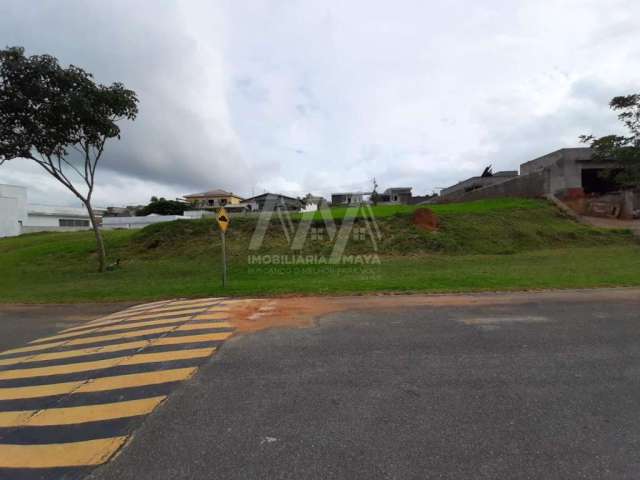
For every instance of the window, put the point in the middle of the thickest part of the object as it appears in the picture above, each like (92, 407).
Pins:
(223, 201)
(211, 203)
(72, 222)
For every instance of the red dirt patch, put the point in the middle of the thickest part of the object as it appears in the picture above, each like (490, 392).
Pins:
(253, 315)
(426, 219)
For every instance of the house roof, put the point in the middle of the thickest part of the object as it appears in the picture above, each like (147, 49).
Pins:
(212, 193)
(274, 194)
(313, 198)
(398, 189)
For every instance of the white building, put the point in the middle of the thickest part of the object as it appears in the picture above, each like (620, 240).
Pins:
(46, 218)
(13, 210)
(139, 222)
(18, 217)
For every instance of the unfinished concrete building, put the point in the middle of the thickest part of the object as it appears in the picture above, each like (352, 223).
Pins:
(569, 174)
(474, 183)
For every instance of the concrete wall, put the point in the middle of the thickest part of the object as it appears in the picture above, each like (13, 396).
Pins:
(346, 198)
(532, 185)
(474, 183)
(110, 223)
(565, 167)
(46, 218)
(13, 209)
(35, 229)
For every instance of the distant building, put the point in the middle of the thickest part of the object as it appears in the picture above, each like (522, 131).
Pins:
(128, 211)
(46, 218)
(113, 223)
(213, 199)
(480, 181)
(572, 171)
(347, 198)
(571, 175)
(309, 199)
(396, 195)
(13, 210)
(18, 217)
(423, 199)
(568, 172)
(272, 201)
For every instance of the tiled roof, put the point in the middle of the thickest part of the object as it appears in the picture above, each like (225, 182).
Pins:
(212, 193)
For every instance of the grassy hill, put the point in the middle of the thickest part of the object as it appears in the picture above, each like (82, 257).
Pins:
(484, 245)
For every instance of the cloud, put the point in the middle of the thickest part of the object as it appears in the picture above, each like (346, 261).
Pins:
(301, 97)
(183, 135)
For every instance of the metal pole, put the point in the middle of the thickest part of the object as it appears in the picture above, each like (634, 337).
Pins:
(224, 260)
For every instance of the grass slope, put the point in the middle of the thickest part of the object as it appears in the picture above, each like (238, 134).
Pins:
(486, 245)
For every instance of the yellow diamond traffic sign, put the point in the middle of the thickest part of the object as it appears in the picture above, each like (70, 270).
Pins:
(223, 219)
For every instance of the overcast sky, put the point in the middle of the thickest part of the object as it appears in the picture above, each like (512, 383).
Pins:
(318, 96)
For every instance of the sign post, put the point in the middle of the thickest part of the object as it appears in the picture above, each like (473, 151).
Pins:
(223, 223)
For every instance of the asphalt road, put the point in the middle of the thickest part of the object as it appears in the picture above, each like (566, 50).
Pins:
(542, 388)
(21, 323)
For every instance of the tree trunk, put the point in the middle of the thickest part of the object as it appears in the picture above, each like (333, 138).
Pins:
(102, 254)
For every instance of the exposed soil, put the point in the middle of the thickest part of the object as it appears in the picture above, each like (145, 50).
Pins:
(426, 219)
(253, 315)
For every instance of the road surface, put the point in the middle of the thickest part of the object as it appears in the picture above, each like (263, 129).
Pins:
(509, 386)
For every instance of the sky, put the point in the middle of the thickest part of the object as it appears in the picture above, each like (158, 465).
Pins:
(293, 96)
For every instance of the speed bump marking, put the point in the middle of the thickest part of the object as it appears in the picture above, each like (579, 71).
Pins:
(84, 414)
(98, 384)
(72, 454)
(71, 400)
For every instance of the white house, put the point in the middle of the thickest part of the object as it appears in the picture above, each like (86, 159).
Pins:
(47, 218)
(17, 216)
(13, 210)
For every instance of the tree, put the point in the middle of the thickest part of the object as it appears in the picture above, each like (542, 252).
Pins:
(375, 196)
(162, 206)
(60, 119)
(621, 149)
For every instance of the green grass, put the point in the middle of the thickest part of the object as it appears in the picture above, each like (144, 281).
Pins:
(475, 207)
(488, 245)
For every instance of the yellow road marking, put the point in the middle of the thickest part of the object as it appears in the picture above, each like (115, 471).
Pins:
(98, 384)
(73, 454)
(187, 327)
(211, 316)
(138, 359)
(32, 348)
(125, 314)
(118, 336)
(127, 318)
(82, 414)
(197, 301)
(153, 315)
(122, 313)
(149, 305)
(169, 308)
(130, 312)
(119, 326)
(118, 347)
(136, 380)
